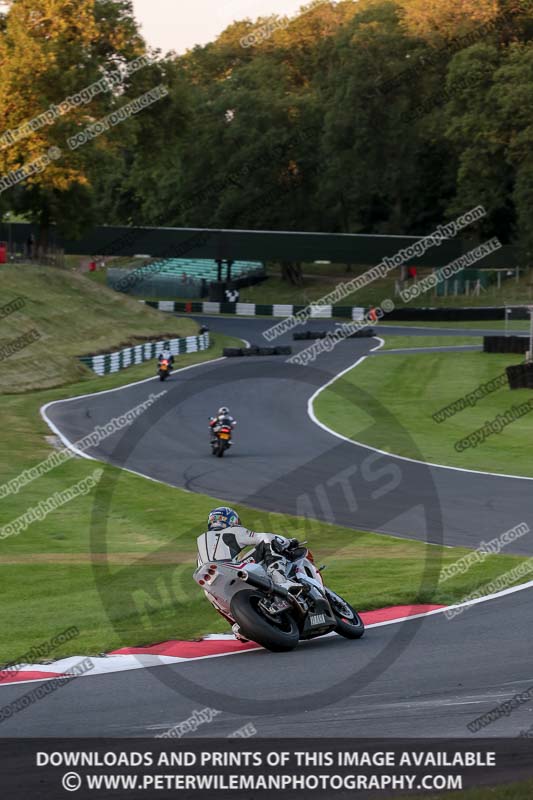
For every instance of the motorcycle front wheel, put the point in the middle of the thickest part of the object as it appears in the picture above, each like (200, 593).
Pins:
(349, 623)
(278, 636)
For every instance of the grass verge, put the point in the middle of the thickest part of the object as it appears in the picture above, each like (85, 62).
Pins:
(415, 386)
(517, 325)
(401, 342)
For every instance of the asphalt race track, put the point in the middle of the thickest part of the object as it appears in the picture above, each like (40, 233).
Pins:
(427, 677)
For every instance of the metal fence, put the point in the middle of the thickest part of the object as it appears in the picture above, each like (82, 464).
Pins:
(24, 252)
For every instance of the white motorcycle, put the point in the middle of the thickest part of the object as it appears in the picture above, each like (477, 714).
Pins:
(276, 617)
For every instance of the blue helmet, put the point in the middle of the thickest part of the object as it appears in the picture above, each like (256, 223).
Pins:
(222, 517)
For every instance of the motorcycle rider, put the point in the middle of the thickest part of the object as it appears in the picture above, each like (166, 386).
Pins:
(226, 537)
(165, 354)
(223, 417)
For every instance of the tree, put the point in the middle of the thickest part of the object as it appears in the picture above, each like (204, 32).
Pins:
(512, 99)
(473, 131)
(51, 50)
(142, 183)
(250, 162)
(291, 272)
(381, 172)
(430, 19)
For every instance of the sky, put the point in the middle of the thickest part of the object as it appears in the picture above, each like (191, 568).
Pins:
(180, 24)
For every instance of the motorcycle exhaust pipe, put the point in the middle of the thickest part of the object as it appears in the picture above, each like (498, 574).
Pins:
(263, 583)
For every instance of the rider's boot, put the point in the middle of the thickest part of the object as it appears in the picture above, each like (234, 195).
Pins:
(280, 579)
(237, 633)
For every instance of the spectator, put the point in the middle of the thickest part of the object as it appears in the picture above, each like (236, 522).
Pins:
(31, 245)
(412, 273)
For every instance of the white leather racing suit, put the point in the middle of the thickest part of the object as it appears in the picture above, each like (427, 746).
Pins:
(228, 543)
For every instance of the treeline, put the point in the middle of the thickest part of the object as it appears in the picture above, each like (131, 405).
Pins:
(377, 116)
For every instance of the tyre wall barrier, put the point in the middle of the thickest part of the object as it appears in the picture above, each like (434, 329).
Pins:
(505, 344)
(364, 333)
(520, 376)
(281, 350)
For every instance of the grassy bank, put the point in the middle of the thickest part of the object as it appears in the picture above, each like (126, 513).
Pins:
(72, 316)
(412, 388)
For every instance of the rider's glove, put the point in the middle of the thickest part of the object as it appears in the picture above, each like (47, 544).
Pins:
(281, 546)
(293, 544)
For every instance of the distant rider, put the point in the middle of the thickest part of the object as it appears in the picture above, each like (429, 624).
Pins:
(226, 537)
(166, 355)
(223, 417)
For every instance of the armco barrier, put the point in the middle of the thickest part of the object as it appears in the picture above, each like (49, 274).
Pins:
(121, 359)
(355, 313)
(505, 344)
(255, 309)
(281, 350)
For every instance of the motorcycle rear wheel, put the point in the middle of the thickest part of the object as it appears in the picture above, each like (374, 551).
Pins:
(258, 628)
